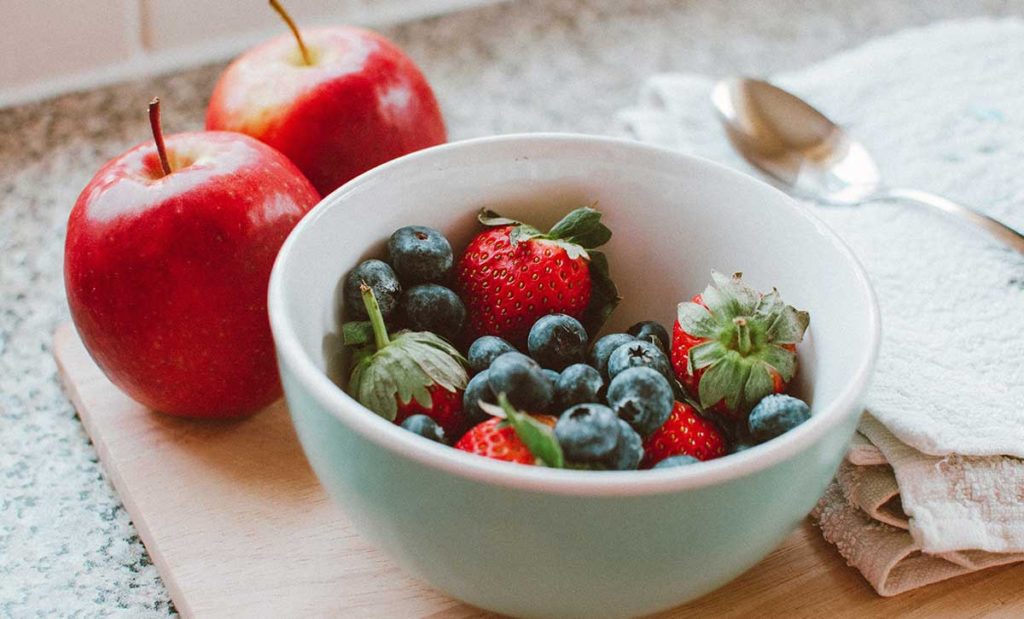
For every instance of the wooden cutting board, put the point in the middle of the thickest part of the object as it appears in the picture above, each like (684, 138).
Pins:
(238, 526)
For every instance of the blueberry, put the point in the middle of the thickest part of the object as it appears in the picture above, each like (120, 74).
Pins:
(604, 347)
(478, 389)
(629, 449)
(775, 415)
(578, 384)
(557, 341)
(521, 379)
(738, 447)
(642, 397)
(379, 276)
(554, 377)
(485, 350)
(675, 461)
(650, 331)
(425, 427)
(588, 432)
(420, 255)
(430, 307)
(638, 353)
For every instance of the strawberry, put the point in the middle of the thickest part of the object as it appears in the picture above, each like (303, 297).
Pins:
(445, 408)
(682, 342)
(412, 372)
(516, 437)
(496, 439)
(732, 345)
(513, 274)
(685, 433)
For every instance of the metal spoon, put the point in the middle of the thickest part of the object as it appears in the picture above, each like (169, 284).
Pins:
(808, 154)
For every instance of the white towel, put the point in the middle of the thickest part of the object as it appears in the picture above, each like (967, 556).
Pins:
(941, 108)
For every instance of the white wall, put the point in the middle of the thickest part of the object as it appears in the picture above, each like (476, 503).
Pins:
(53, 46)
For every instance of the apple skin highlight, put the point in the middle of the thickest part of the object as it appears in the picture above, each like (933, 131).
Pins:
(166, 276)
(360, 103)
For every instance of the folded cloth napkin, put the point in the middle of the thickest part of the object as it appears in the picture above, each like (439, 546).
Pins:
(953, 502)
(958, 503)
(888, 556)
(926, 493)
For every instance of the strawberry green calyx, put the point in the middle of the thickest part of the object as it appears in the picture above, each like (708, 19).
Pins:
(403, 367)
(539, 439)
(749, 339)
(579, 233)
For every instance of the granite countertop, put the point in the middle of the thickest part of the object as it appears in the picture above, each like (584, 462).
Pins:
(67, 546)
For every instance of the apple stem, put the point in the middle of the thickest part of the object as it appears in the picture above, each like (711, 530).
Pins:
(158, 134)
(274, 4)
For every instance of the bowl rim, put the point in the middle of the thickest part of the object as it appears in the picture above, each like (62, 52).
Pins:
(392, 438)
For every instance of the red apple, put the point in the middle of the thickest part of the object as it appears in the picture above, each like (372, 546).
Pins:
(166, 266)
(336, 101)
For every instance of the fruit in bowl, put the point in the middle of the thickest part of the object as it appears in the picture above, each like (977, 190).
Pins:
(513, 274)
(570, 542)
(733, 348)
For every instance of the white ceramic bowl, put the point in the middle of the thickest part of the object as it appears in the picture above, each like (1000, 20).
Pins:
(532, 541)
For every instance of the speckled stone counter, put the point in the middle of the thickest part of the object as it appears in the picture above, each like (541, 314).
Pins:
(67, 546)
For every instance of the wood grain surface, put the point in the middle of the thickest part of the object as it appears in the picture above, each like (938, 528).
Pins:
(238, 526)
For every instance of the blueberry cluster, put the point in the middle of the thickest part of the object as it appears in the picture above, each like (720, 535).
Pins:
(607, 396)
(411, 290)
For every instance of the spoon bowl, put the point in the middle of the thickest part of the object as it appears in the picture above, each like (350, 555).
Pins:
(810, 156)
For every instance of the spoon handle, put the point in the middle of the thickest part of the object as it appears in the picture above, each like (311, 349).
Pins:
(996, 228)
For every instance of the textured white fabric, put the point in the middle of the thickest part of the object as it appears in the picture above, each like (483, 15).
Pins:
(956, 502)
(941, 109)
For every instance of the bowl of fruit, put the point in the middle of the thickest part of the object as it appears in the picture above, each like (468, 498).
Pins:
(529, 369)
